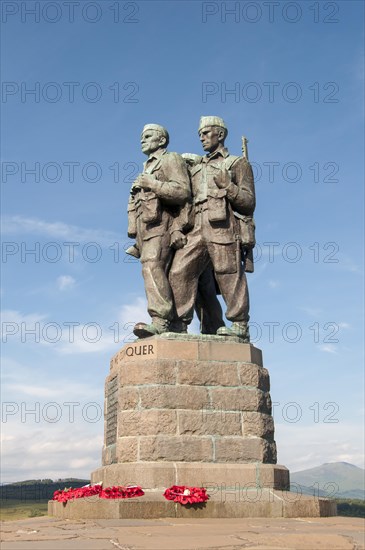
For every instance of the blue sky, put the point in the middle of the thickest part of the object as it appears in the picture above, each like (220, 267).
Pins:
(297, 77)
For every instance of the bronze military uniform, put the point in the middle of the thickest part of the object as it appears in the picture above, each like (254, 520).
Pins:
(151, 211)
(216, 235)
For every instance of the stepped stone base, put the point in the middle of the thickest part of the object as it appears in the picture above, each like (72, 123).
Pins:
(251, 503)
(196, 411)
(214, 477)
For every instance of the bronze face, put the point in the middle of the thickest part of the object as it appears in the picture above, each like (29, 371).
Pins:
(151, 140)
(210, 137)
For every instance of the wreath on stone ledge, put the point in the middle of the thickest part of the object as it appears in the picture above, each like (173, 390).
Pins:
(186, 495)
(97, 489)
(177, 493)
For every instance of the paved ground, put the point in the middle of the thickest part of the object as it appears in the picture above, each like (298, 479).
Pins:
(45, 533)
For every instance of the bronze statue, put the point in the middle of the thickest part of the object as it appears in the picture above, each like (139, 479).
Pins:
(155, 200)
(207, 306)
(223, 205)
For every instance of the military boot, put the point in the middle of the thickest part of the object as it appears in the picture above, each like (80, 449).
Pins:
(179, 326)
(238, 329)
(158, 326)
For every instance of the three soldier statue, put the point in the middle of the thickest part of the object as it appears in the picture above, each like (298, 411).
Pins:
(192, 220)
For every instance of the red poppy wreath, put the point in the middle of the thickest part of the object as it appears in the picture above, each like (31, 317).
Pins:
(186, 495)
(91, 490)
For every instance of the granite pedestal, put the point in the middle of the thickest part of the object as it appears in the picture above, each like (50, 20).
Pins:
(191, 410)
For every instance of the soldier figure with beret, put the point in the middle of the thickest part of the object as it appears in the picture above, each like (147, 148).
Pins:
(156, 197)
(223, 196)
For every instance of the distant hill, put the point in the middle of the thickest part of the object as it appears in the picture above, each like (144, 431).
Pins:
(333, 479)
(36, 489)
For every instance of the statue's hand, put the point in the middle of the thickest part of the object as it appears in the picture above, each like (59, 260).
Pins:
(135, 186)
(178, 240)
(223, 179)
(146, 182)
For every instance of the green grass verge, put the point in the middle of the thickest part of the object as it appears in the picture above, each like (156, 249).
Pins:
(354, 508)
(15, 509)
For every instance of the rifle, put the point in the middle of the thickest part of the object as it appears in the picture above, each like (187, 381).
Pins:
(250, 224)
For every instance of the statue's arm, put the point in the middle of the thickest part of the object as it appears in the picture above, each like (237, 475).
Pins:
(241, 190)
(176, 187)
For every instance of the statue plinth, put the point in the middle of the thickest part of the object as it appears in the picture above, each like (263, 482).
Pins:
(196, 411)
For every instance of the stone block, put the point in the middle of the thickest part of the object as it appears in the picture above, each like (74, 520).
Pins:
(215, 476)
(239, 449)
(270, 454)
(127, 449)
(227, 351)
(90, 508)
(161, 371)
(207, 373)
(148, 506)
(295, 506)
(177, 350)
(128, 398)
(253, 375)
(207, 422)
(173, 397)
(149, 475)
(273, 476)
(140, 350)
(258, 425)
(147, 422)
(176, 448)
(109, 454)
(238, 399)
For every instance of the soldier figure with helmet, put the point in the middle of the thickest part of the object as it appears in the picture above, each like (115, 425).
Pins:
(194, 234)
(223, 197)
(156, 197)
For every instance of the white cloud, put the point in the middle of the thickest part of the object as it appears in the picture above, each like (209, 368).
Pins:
(328, 348)
(15, 324)
(22, 381)
(87, 338)
(107, 337)
(302, 447)
(91, 337)
(59, 389)
(14, 316)
(135, 312)
(65, 282)
(51, 451)
(57, 230)
(273, 284)
(312, 311)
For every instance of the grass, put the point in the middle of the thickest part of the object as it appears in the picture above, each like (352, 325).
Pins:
(17, 509)
(354, 508)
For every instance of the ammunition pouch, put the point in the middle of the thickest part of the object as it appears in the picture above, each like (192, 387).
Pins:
(246, 230)
(217, 205)
(151, 207)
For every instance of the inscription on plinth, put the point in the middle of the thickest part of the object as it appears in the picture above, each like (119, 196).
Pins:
(189, 348)
(139, 350)
(111, 411)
